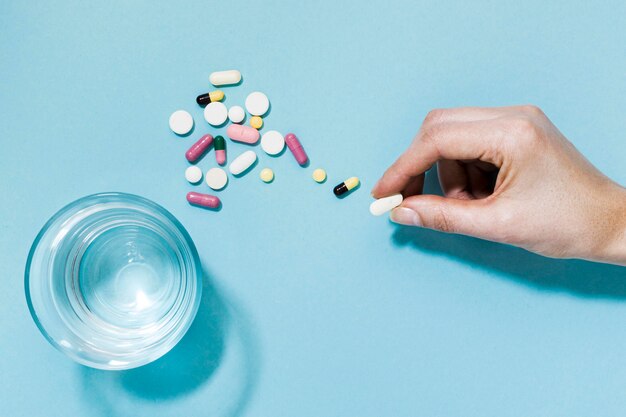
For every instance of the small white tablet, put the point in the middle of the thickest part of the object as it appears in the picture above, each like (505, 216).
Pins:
(215, 113)
(236, 114)
(193, 174)
(257, 103)
(272, 142)
(216, 178)
(181, 122)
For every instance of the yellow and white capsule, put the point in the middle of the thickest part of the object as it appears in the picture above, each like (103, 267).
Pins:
(346, 186)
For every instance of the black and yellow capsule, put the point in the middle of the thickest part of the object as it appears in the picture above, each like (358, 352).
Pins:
(204, 99)
(346, 186)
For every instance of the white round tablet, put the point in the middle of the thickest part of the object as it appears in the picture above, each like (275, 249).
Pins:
(216, 178)
(193, 174)
(181, 122)
(236, 114)
(257, 103)
(272, 142)
(215, 113)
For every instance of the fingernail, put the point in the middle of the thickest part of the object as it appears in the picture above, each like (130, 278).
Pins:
(406, 216)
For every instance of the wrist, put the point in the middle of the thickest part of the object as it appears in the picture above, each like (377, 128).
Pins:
(614, 248)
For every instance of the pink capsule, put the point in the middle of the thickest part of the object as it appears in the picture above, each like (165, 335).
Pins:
(296, 148)
(199, 148)
(242, 133)
(203, 200)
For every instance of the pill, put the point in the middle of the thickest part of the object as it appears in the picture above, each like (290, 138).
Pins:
(220, 150)
(215, 113)
(296, 148)
(181, 122)
(383, 205)
(256, 122)
(204, 99)
(193, 174)
(319, 175)
(257, 103)
(203, 200)
(272, 142)
(236, 114)
(245, 134)
(199, 148)
(216, 178)
(225, 77)
(346, 186)
(266, 175)
(242, 162)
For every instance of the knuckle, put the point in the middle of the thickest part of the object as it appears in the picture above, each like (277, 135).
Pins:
(532, 110)
(442, 220)
(525, 129)
(433, 117)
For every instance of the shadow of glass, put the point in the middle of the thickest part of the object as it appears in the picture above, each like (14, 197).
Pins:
(192, 361)
(218, 355)
(581, 278)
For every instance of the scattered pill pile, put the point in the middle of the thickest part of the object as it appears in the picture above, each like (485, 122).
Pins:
(217, 115)
(273, 143)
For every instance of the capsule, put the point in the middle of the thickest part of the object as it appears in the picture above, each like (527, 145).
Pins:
(199, 148)
(204, 99)
(296, 148)
(348, 185)
(220, 150)
(225, 77)
(203, 200)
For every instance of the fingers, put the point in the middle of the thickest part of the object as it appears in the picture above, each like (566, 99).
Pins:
(453, 179)
(415, 186)
(468, 217)
(454, 140)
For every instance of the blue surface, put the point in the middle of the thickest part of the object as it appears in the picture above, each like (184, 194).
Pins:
(313, 307)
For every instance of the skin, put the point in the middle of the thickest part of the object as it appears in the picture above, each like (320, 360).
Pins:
(509, 176)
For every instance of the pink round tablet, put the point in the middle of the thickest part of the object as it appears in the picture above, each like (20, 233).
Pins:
(242, 133)
(203, 200)
(199, 148)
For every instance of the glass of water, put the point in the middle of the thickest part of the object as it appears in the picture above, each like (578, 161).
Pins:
(113, 280)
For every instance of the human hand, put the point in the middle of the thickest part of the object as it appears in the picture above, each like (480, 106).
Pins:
(509, 176)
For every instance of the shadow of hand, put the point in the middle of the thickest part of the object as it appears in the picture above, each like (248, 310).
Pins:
(581, 278)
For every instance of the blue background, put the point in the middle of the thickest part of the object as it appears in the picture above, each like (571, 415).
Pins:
(312, 306)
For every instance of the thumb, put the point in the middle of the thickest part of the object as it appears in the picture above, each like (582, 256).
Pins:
(467, 217)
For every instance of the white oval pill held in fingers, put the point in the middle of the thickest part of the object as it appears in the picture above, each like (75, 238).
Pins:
(236, 114)
(383, 205)
(257, 103)
(242, 162)
(215, 113)
(193, 174)
(225, 77)
(216, 178)
(181, 122)
(272, 142)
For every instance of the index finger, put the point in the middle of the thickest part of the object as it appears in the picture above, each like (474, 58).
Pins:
(453, 140)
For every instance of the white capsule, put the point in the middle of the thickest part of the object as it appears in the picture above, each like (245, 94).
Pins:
(257, 103)
(216, 178)
(236, 114)
(225, 77)
(242, 162)
(215, 113)
(383, 205)
(193, 174)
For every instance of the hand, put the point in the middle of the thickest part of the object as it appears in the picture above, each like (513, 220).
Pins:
(509, 176)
